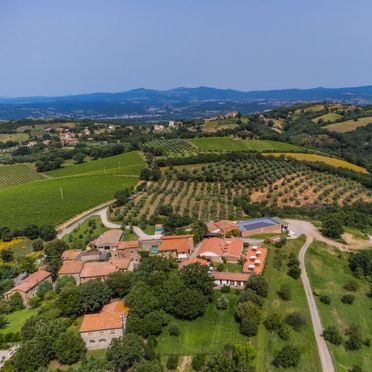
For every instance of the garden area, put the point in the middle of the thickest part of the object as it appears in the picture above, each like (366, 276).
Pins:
(344, 304)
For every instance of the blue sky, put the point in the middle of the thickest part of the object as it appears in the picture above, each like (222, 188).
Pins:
(57, 47)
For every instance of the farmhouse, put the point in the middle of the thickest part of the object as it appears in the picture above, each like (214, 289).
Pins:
(255, 260)
(127, 249)
(217, 249)
(177, 246)
(98, 330)
(28, 287)
(233, 280)
(264, 225)
(100, 270)
(222, 227)
(108, 240)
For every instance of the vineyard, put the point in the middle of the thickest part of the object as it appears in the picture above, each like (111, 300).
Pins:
(11, 175)
(172, 147)
(207, 192)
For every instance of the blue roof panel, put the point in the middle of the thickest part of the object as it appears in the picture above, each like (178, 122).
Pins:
(256, 223)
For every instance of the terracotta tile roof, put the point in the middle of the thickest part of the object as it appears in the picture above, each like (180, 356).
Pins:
(70, 254)
(31, 281)
(97, 269)
(212, 245)
(222, 226)
(130, 244)
(120, 263)
(109, 237)
(109, 318)
(212, 227)
(233, 248)
(179, 243)
(192, 260)
(230, 276)
(70, 267)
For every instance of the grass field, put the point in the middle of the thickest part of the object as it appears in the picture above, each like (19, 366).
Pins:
(15, 137)
(231, 144)
(46, 125)
(349, 125)
(327, 118)
(212, 126)
(41, 202)
(126, 163)
(15, 174)
(328, 272)
(323, 159)
(206, 334)
(17, 319)
(268, 343)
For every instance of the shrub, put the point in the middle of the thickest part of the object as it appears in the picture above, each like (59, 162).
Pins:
(172, 362)
(225, 289)
(284, 292)
(356, 369)
(248, 327)
(248, 310)
(347, 299)
(250, 295)
(273, 322)
(198, 362)
(332, 335)
(296, 320)
(294, 272)
(222, 303)
(317, 292)
(3, 321)
(258, 284)
(174, 330)
(284, 331)
(325, 299)
(351, 286)
(288, 356)
(355, 340)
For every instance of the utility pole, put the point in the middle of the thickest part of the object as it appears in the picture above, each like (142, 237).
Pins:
(61, 190)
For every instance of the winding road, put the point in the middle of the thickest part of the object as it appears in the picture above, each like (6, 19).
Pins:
(309, 230)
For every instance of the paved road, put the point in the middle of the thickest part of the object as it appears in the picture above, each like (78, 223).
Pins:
(102, 213)
(302, 227)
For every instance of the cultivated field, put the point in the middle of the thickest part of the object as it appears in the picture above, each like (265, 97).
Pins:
(42, 203)
(207, 191)
(15, 137)
(349, 125)
(173, 147)
(128, 163)
(12, 175)
(327, 118)
(212, 126)
(231, 144)
(323, 159)
(328, 272)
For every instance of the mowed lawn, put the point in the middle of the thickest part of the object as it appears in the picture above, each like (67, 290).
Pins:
(231, 144)
(328, 272)
(206, 334)
(41, 202)
(268, 343)
(17, 319)
(128, 162)
(323, 159)
(349, 125)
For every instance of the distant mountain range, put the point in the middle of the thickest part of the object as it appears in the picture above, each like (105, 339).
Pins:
(154, 105)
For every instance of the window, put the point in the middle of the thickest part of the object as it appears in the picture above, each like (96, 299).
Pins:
(102, 340)
(92, 341)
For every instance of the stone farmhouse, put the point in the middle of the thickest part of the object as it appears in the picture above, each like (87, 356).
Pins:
(98, 330)
(233, 280)
(28, 287)
(174, 246)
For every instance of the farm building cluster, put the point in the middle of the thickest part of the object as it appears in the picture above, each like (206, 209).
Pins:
(224, 243)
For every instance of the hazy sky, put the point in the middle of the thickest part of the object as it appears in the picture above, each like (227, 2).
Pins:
(57, 47)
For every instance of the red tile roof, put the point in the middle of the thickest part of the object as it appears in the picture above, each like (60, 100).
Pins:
(179, 243)
(31, 281)
(70, 267)
(233, 248)
(121, 263)
(192, 260)
(97, 269)
(230, 276)
(130, 244)
(110, 317)
(212, 245)
(224, 226)
(70, 254)
(109, 237)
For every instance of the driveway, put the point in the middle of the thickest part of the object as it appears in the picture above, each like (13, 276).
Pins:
(309, 230)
